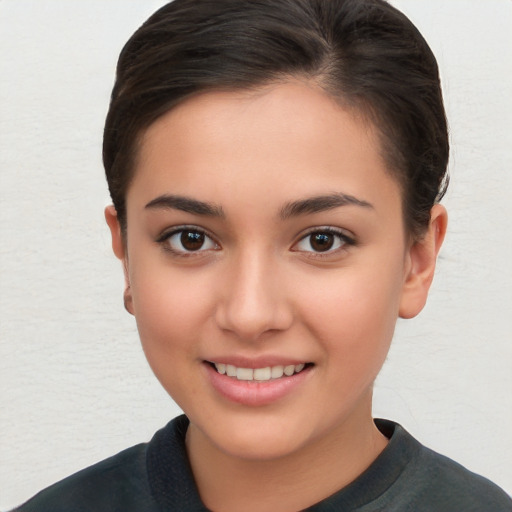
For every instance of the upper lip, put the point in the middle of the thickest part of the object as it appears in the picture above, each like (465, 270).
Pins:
(257, 362)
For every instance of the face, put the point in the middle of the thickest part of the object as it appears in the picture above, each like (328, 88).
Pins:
(267, 264)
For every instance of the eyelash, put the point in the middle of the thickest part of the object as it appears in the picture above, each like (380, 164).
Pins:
(166, 237)
(344, 241)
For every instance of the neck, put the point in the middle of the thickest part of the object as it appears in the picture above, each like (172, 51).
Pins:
(289, 483)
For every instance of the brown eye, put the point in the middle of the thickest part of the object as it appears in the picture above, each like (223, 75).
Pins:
(184, 241)
(321, 242)
(192, 240)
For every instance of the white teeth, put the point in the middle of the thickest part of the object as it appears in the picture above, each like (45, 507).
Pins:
(244, 374)
(221, 368)
(289, 370)
(262, 373)
(277, 372)
(259, 374)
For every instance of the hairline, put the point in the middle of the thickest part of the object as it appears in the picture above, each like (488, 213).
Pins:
(361, 111)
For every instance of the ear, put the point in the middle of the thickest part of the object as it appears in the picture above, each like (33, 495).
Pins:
(421, 263)
(119, 248)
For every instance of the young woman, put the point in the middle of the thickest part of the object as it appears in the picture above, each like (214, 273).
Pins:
(275, 169)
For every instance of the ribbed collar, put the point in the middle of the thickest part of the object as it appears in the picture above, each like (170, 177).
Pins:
(173, 486)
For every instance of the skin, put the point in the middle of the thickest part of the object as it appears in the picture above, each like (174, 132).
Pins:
(259, 289)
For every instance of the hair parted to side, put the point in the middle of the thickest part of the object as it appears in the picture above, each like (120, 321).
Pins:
(364, 53)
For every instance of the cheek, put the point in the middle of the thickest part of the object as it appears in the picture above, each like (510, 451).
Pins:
(170, 309)
(353, 316)
(170, 315)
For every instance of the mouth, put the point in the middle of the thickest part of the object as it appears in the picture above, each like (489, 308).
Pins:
(257, 383)
(265, 374)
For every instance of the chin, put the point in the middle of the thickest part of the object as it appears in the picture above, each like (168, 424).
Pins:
(260, 448)
(258, 436)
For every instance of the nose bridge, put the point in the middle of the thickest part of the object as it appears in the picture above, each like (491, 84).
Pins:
(253, 300)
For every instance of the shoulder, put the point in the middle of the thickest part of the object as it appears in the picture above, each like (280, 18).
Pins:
(431, 481)
(453, 485)
(149, 476)
(114, 484)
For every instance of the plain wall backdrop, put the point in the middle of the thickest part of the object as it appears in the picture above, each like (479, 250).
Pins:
(75, 387)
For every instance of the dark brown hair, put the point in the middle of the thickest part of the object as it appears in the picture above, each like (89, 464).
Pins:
(364, 53)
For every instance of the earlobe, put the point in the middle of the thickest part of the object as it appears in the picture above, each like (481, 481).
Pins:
(421, 264)
(128, 299)
(119, 249)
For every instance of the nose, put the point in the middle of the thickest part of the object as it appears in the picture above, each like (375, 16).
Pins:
(253, 300)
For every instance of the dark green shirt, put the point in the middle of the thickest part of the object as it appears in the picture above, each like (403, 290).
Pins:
(156, 477)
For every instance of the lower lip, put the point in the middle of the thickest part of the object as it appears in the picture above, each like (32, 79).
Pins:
(255, 393)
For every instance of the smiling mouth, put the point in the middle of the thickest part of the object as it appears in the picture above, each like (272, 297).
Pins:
(259, 374)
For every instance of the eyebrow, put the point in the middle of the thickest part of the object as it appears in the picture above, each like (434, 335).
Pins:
(320, 204)
(185, 204)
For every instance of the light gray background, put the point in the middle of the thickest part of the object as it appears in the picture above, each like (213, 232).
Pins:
(75, 387)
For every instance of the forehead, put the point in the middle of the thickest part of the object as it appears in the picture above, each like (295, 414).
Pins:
(289, 137)
(280, 111)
